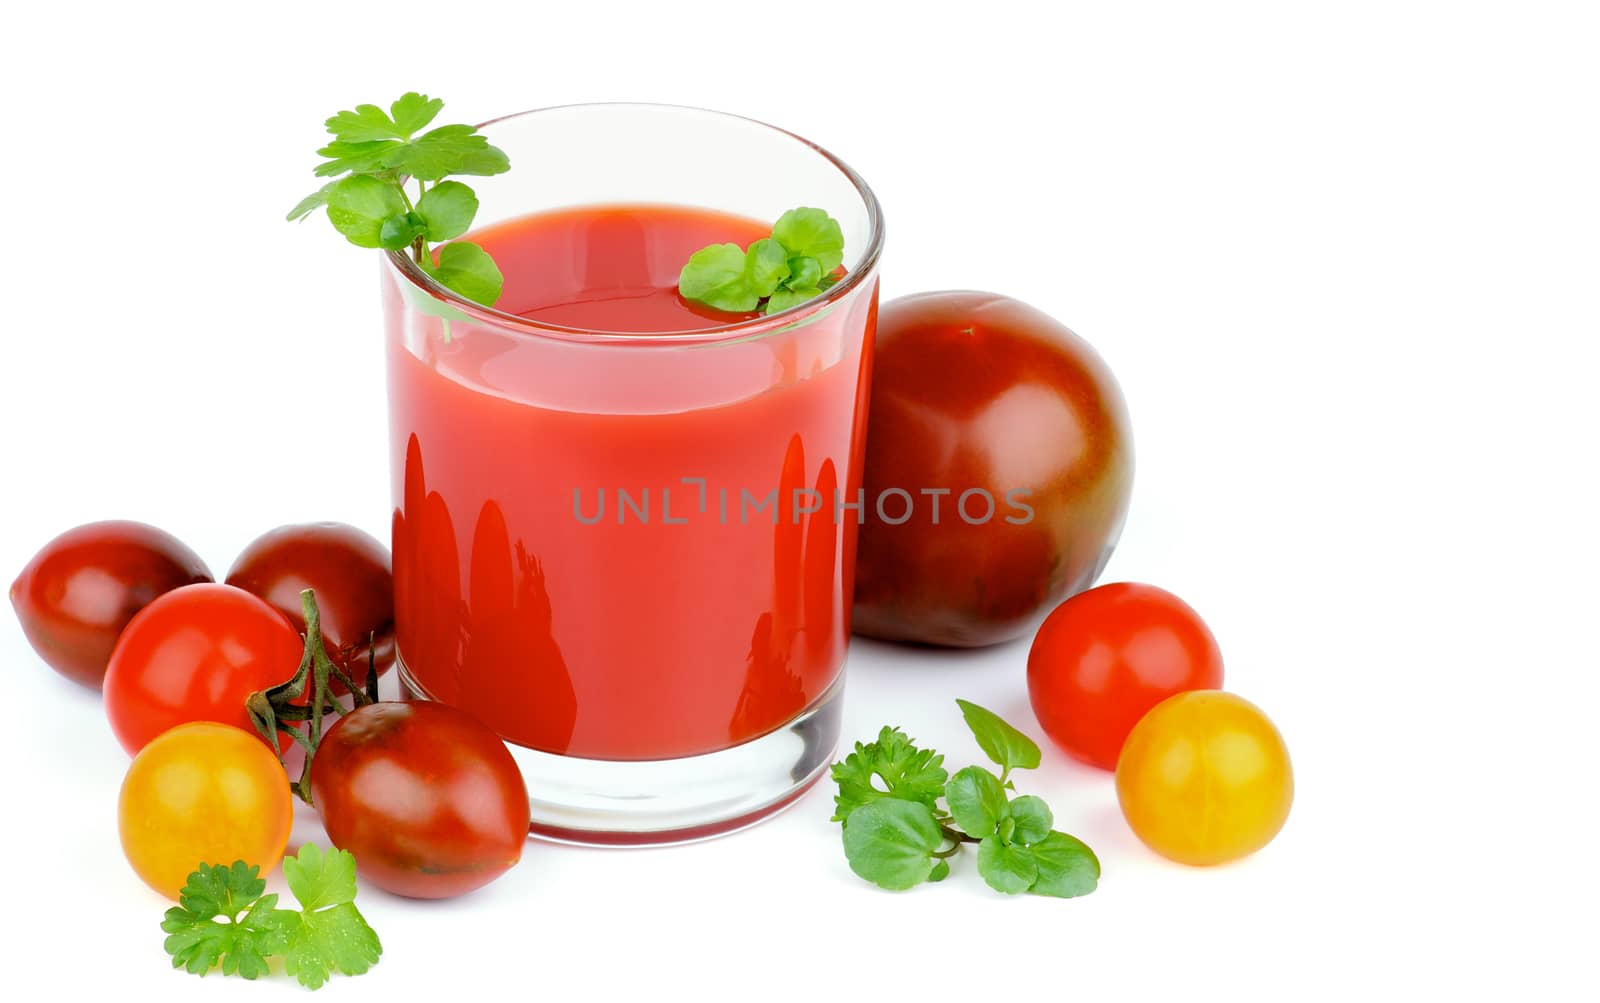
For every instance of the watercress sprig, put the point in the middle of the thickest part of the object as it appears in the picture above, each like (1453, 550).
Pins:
(797, 262)
(375, 154)
(897, 835)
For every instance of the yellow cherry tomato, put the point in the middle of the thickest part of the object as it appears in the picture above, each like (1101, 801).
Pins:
(203, 793)
(1204, 778)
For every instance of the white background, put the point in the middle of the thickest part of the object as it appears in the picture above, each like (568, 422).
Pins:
(1344, 260)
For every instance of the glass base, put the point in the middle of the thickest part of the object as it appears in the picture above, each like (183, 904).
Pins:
(602, 802)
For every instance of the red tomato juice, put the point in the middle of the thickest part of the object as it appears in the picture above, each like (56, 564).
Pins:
(556, 574)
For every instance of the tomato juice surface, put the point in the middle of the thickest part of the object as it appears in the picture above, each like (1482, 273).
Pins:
(623, 548)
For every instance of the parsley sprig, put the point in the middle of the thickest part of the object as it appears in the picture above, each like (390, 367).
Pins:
(897, 836)
(375, 154)
(799, 261)
(224, 918)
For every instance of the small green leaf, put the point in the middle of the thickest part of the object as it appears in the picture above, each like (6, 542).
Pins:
(764, 267)
(813, 233)
(1066, 867)
(804, 272)
(358, 158)
(1002, 743)
(414, 111)
(447, 210)
(319, 879)
(399, 231)
(335, 939)
(1033, 819)
(364, 124)
(468, 270)
(977, 801)
(1009, 869)
(905, 772)
(205, 929)
(450, 149)
(310, 203)
(891, 843)
(714, 275)
(941, 870)
(783, 299)
(359, 205)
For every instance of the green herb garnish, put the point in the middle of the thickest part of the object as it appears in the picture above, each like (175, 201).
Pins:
(223, 918)
(897, 836)
(380, 153)
(798, 261)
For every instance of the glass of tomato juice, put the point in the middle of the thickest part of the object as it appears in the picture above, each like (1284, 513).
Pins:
(625, 524)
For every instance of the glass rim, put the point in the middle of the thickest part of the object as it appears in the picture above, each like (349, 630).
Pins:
(756, 327)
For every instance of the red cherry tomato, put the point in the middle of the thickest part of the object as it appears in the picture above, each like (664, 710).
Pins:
(429, 800)
(1108, 655)
(83, 587)
(196, 654)
(1022, 427)
(349, 571)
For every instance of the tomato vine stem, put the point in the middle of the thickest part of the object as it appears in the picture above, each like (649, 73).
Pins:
(284, 707)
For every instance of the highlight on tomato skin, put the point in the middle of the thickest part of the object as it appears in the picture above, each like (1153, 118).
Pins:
(196, 654)
(84, 586)
(350, 572)
(1105, 657)
(1205, 778)
(428, 800)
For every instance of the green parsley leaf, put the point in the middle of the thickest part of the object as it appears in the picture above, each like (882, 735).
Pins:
(399, 231)
(332, 936)
(1003, 744)
(368, 122)
(977, 801)
(1066, 867)
(1033, 817)
(1008, 869)
(311, 203)
(715, 276)
(413, 111)
(467, 269)
(906, 773)
(359, 158)
(358, 207)
(447, 210)
(813, 233)
(891, 843)
(450, 149)
(205, 929)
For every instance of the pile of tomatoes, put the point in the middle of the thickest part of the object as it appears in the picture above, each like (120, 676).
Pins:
(974, 392)
(427, 799)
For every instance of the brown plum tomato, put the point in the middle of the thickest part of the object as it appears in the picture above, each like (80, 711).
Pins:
(1005, 439)
(83, 587)
(1108, 655)
(196, 654)
(429, 800)
(350, 573)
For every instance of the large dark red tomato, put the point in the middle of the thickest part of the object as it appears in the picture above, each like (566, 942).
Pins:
(1108, 655)
(998, 468)
(349, 571)
(429, 800)
(83, 587)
